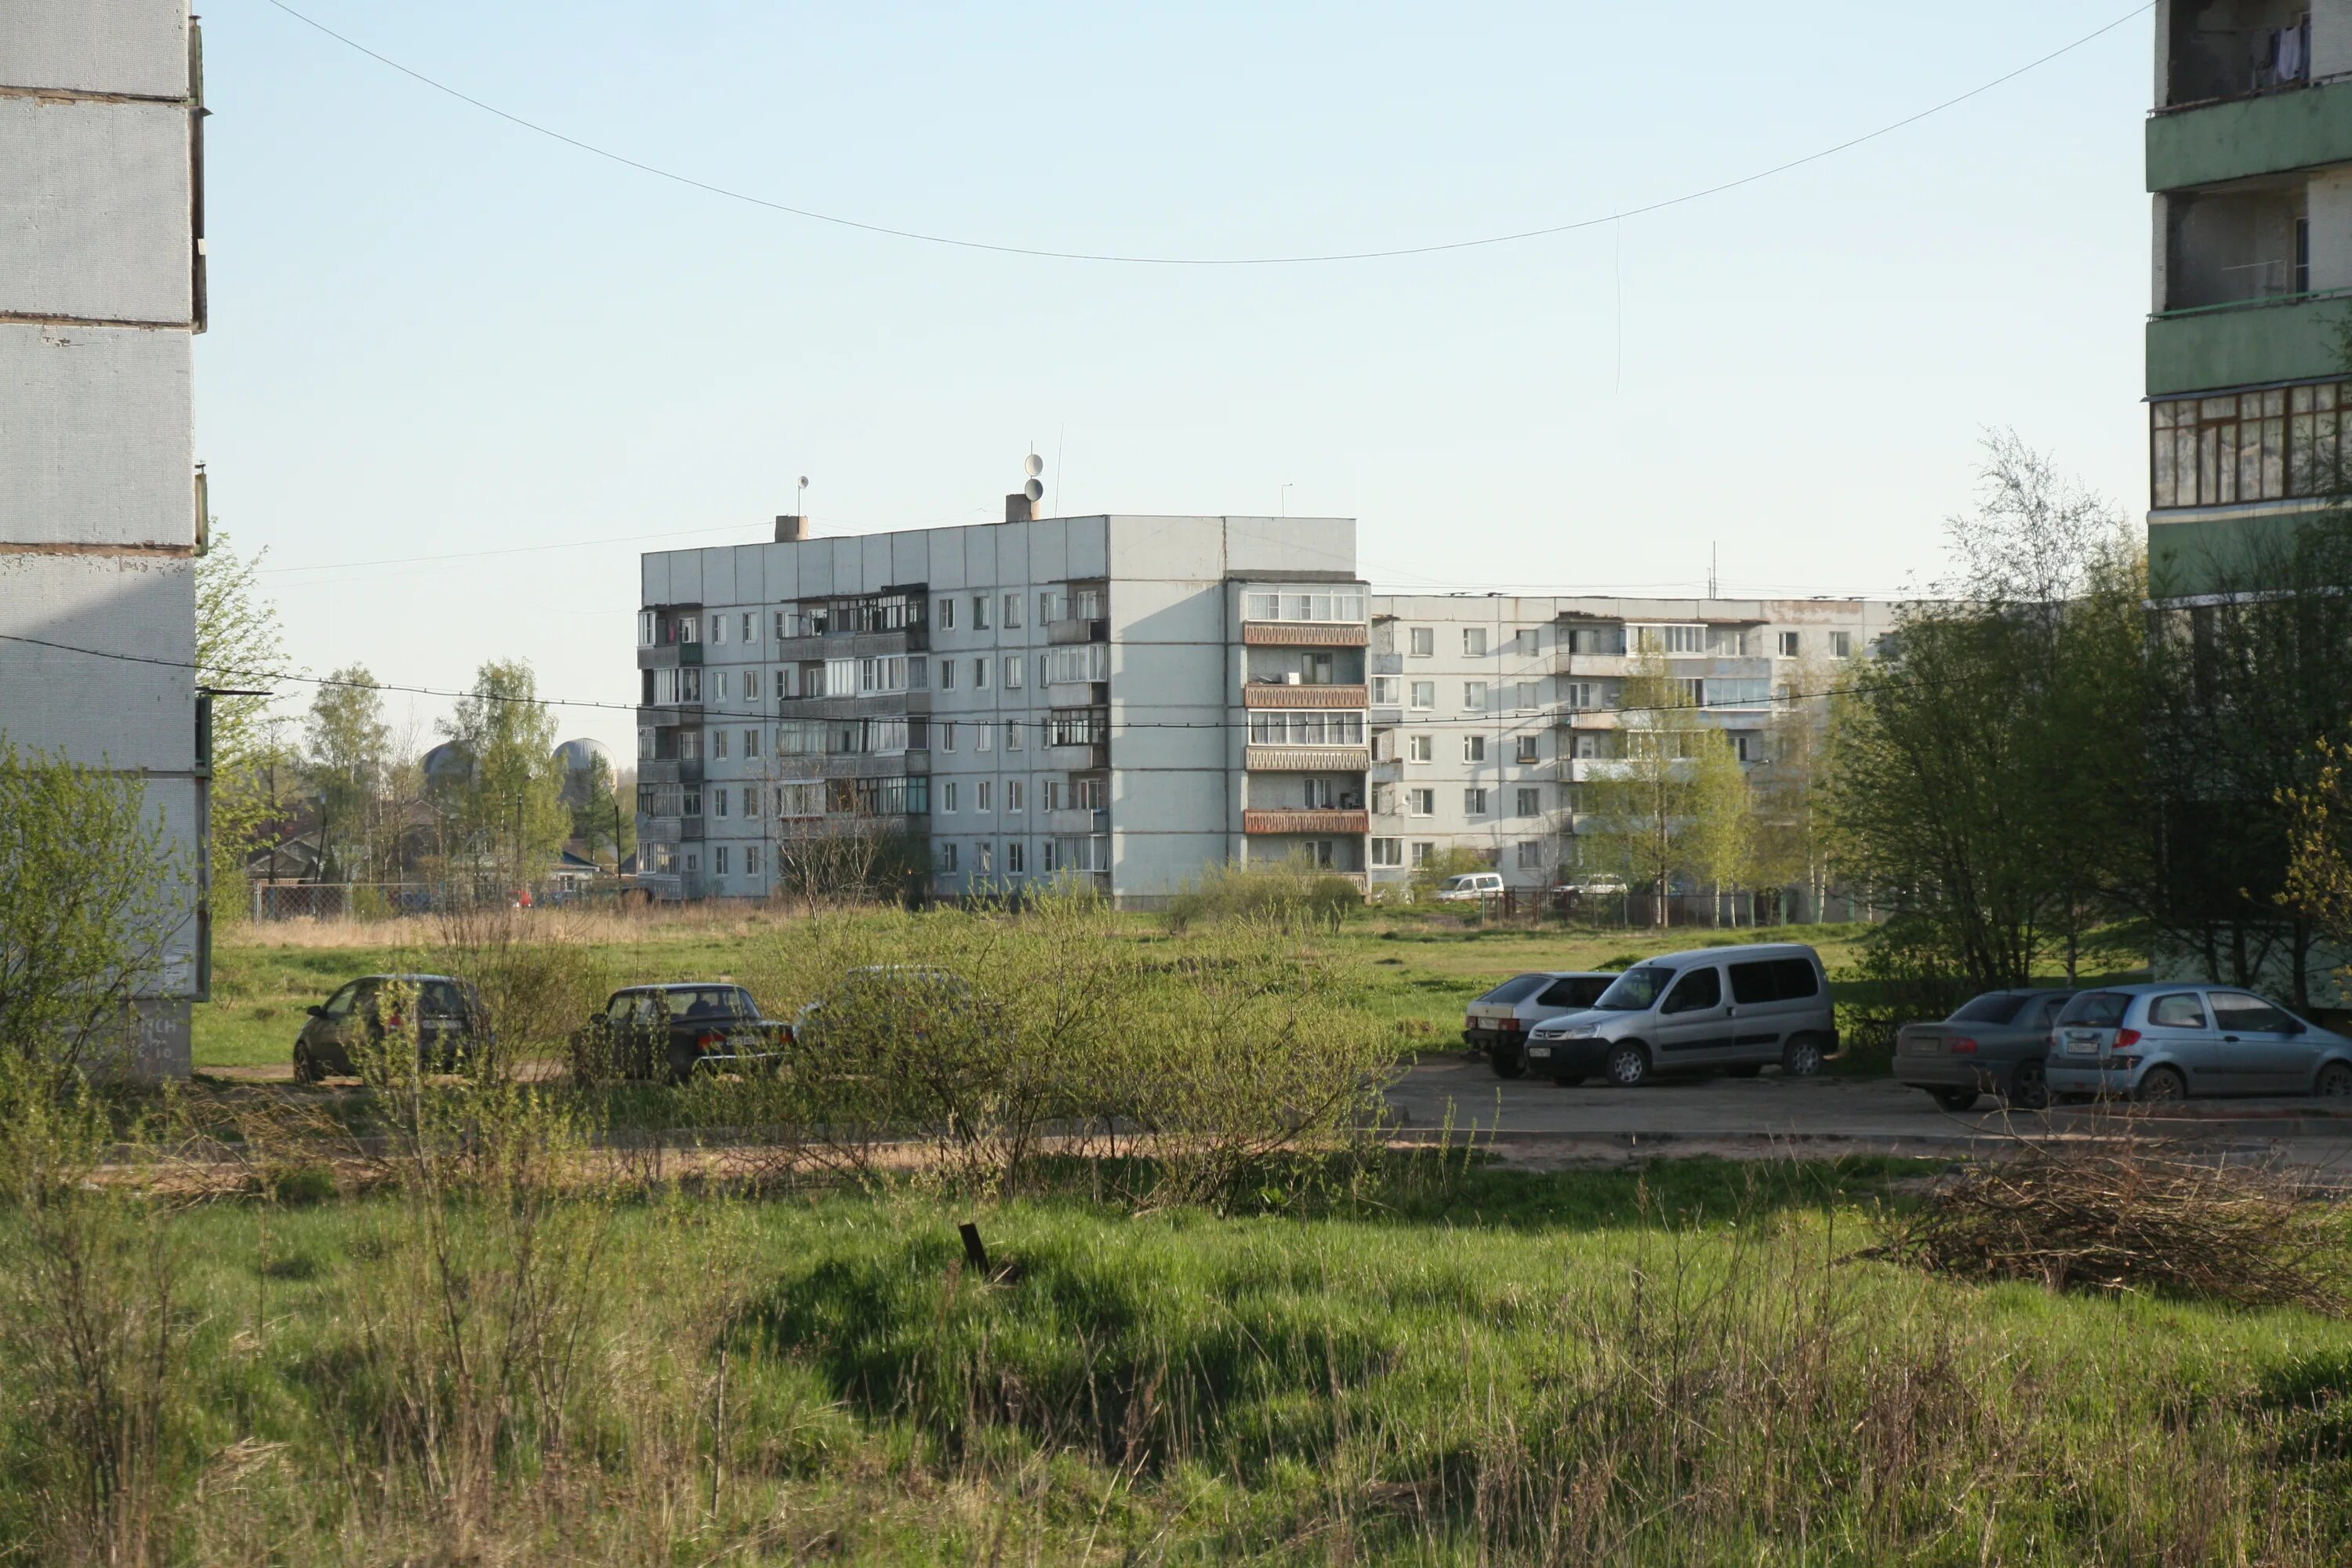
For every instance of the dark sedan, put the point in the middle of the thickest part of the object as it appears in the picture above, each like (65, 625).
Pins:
(1997, 1042)
(447, 1016)
(673, 1031)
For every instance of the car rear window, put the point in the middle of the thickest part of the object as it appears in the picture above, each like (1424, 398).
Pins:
(1773, 979)
(708, 1002)
(1578, 991)
(2096, 1009)
(1994, 1007)
(441, 998)
(1518, 988)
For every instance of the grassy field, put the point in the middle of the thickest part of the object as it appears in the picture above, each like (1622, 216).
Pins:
(1672, 1366)
(1418, 972)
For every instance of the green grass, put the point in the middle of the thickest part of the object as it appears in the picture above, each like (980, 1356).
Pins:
(1663, 1366)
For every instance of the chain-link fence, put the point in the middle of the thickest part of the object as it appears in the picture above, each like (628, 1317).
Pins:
(388, 900)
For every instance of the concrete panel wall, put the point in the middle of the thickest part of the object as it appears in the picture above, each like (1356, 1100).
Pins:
(95, 444)
(94, 210)
(100, 710)
(138, 47)
(2330, 213)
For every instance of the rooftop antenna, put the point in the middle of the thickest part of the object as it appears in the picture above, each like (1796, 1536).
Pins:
(1710, 569)
(1282, 501)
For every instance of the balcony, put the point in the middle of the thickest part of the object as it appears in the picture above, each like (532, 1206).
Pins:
(1085, 756)
(664, 716)
(1595, 666)
(1078, 694)
(668, 887)
(1271, 694)
(2302, 127)
(1077, 821)
(669, 770)
(658, 829)
(689, 828)
(1295, 819)
(2246, 344)
(669, 656)
(1304, 634)
(1077, 631)
(1306, 759)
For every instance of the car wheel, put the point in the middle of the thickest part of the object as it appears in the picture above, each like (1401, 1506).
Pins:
(306, 1066)
(1955, 1099)
(1509, 1061)
(2029, 1089)
(1802, 1059)
(1567, 1079)
(2159, 1085)
(2335, 1081)
(1629, 1064)
(1743, 1070)
(681, 1063)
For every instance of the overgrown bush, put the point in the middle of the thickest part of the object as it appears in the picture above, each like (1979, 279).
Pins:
(1291, 895)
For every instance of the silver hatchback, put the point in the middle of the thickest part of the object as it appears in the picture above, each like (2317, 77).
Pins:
(2168, 1041)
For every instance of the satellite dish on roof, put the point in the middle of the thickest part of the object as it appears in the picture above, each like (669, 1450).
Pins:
(1033, 465)
(1033, 490)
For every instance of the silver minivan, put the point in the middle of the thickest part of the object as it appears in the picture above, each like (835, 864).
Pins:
(1728, 1009)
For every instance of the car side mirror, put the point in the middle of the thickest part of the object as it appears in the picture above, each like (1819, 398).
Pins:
(316, 1011)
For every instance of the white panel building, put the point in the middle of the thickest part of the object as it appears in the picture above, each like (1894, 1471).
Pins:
(102, 286)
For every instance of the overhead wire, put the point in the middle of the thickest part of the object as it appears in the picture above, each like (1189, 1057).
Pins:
(1435, 248)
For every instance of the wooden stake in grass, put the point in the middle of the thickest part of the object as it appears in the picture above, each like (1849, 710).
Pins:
(975, 1251)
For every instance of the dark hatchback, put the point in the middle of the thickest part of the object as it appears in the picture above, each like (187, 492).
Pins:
(450, 1019)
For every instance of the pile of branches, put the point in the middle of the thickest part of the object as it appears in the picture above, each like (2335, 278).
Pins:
(2132, 1214)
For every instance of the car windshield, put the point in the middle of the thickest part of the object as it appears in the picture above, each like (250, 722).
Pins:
(1457, 884)
(1636, 990)
(2096, 1009)
(1518, 988)
(1995, 1007)
(709, 1002)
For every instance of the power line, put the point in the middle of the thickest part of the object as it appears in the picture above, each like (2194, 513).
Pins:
(1429, 250)
(509, 549)
(1779, 700)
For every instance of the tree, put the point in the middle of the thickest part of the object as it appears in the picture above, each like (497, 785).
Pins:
(1986, 776)
(238, 648)
(1791, 850)
(599, 813)
(1642, 805)
(1719, 841)
(508, 810)
(2319, 852)
(86, 912)
(347, 751)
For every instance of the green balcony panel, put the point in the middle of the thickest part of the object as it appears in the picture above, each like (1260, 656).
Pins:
(2217, 555)
(2247, 345)
(2301, 129)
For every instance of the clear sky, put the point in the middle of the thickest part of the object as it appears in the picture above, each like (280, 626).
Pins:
(433, 331)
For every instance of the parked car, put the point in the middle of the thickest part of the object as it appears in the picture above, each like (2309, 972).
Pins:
(1995, 1043)
(1499, 1022)
(673, 1031)
(2166, 1041)
(450, 1023)
(1729, 1009)
(1470, 887)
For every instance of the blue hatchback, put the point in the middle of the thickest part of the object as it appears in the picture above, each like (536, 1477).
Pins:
(2168, 1041)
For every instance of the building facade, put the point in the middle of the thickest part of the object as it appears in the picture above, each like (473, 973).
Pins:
(1136, 699)
(101, 289)
(1490, 710)
(1121, 698)
(2250, 165)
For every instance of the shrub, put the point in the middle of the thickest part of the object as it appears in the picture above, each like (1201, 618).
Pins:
(1290, 894)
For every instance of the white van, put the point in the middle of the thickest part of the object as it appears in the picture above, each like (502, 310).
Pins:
(1470, 887)
(1730, 1009)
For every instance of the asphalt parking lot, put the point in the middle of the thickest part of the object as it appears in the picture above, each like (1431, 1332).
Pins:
(1536, 1120)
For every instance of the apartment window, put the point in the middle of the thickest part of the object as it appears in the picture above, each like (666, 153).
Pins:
(1384, 800)
(750, 627)
(987, 858)
(947, 797)
(1690, 692)
(1421, 850)
(752, 800)
(980, 675)
(751, 745)
(1013, 793)
(1421, 802)
(1012, 611)
(1473, 802)
(718, 801)
(689, 745)
(1474, 748)
(787, 624)
(719, 745)
(1671, 639)
(946, 731)
(719, 686)
(1421, 748)
(1474, 697)
(1016, 734)
(1588, 746)
(946, 616)
(1474, 642)
(1531, 855)
(1840, 644)
(1012, 856)
(982, 795)
(1012, 667)
(1388, 853)
(1053, 800)
(719, 859)
(980, 612)
(1422, 641)
(948, 858)
(750, 685)
(840, 677)
(719, 629)
(1053, 861)
(1578, 696)
(918, 675)
(1749, 748)
(1523, 749)
(1424, 695)
(1789, 644)
(947, 675)
(1262, 606)
(1306, 729)
(1530, 800)
(2246, 446)
(1388, 690)
(983, 737)
(1045, 608)
(1525, 696)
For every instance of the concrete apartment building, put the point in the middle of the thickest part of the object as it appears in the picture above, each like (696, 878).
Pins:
(2249, 163)
(1138, 698)
(1127, 698)
(1489, 710)
(101, 288)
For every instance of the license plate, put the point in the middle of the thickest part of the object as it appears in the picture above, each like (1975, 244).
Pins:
(1539, 1051)
(2082, 1044)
